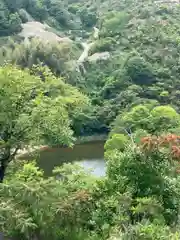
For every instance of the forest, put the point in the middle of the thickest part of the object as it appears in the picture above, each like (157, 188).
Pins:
(75, 69)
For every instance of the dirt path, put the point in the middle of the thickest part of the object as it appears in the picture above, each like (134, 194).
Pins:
(86, 47)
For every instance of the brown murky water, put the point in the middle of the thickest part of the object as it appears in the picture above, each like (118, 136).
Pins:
(89, 155)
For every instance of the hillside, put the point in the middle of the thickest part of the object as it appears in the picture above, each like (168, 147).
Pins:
(76, 71)
(56, 13)
(143, 39)
(133, 60)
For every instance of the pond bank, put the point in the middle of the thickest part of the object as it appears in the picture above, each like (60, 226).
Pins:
(87, 151)
(88, 155)
(92, 138)
(24, 153)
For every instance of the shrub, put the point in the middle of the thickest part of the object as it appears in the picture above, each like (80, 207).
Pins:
(140, 71)
(117, 142)
(102, 45)
(57, 207)
(114, 24)
(147, 230)
(149, 170)
(158, 120)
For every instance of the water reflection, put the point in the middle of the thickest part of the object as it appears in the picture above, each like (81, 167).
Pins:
(97, 166)
(89, 155)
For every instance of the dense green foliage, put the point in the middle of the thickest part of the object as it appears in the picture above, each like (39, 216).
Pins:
(10, 21)
(138, 198)
(59, 58)
(144, 63)
(34, 110)
(132, 96)
(45, 208)
(141, 36)
(153, 120)
(56, 13)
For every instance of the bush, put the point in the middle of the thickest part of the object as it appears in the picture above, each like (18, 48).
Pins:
(10, 23)
(55, 56)
(140, 71)
(116, 142)
(57, 207)
(114, 24)
(102, 45)
(137, 118)
(88, 18)
(158, 120)
(149, 231)
(164, 117)
(146, 171)
(24, 16)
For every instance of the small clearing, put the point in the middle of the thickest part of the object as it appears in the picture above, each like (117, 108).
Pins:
(41, 31)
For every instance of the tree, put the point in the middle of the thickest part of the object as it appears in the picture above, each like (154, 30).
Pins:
(9, 22)
(15, 5)
(37, 9)
(45, 208)
(164, 117)
(15, 23)
(116, 142)
(56, 56)
(114, 23)
(140, 71)
(148, 170)
(34, 110)
(156, 120)
(137, 118)
(88, 17)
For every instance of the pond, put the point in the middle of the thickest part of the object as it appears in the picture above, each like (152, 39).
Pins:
(89, 155)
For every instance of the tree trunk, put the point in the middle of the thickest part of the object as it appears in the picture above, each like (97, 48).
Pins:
(2, 172)
(5, 159)
(5, 156)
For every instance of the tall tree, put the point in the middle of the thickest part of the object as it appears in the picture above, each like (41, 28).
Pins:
(33, 110)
